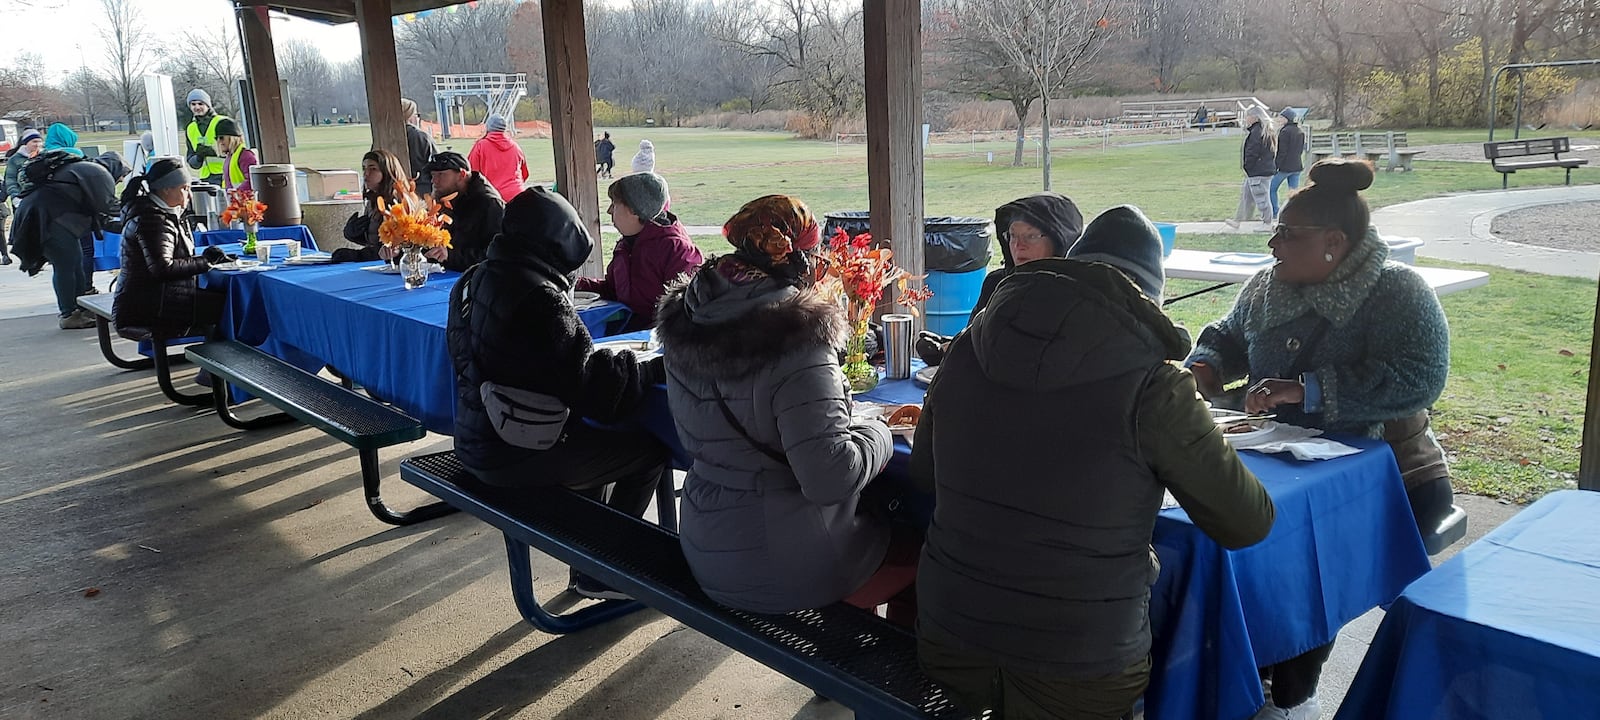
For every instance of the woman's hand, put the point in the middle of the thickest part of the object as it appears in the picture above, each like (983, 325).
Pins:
(386, 252)
(1272, 392)
(437, 253)
(1205, 378)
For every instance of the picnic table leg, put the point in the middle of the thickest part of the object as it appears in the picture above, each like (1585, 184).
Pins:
(527, 604)
(220, 399)
(369, 483)
(102, 327)
(158, 349)
(667, 501)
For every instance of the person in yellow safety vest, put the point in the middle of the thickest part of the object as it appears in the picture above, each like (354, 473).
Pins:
(202, 137)
(236, 158)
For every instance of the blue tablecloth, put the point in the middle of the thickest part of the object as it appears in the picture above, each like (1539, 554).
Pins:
(108, 249)
(365, 325)
(1506, 629)
(1343, 543)
(207, 238)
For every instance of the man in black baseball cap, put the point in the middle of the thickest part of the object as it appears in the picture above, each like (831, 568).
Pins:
(474, 206)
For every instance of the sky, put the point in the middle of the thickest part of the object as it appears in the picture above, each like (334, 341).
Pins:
(163, 20)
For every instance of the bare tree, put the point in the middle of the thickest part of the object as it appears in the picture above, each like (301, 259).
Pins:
(818, 47)
(300, 62)
(967, 63)
(127, 57)
(1048, 40)
(1167, 29)
(217, 57)
(89, 94)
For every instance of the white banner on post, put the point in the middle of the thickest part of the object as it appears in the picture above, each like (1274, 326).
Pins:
(163, 116)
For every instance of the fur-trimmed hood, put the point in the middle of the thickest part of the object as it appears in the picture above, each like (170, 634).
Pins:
(714, 327)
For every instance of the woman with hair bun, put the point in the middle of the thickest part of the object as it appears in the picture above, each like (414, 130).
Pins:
(1338, 337)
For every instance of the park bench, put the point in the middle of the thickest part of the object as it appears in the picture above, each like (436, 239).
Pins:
(844, 653)
(100, 305)
(1332, 144)
(362, 423)
(1395, 154)
(1498, 152)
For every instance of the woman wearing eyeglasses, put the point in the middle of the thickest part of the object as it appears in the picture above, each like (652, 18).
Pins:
(1037, 226)
(1336, 336)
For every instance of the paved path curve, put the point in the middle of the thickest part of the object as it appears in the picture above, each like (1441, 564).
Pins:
(1456, 227)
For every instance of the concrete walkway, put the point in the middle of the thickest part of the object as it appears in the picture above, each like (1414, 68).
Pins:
(1456, 228)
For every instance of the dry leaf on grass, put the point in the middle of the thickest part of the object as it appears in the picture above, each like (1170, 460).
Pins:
(91, 592)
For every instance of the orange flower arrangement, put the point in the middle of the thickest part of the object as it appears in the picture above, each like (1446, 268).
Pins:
(862, 272)
(414, 221)
(244, 207)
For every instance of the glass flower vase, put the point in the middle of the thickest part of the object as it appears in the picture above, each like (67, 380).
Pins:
(250, 232)
(861, 374)
(414, 267)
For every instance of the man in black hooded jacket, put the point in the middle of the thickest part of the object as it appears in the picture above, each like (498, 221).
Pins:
(512, 327)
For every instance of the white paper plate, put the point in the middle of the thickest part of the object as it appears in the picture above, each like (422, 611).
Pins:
(924, 376)
(387, 269)
(640, 348)
(237, 265)
(584, 297)
(309, 260)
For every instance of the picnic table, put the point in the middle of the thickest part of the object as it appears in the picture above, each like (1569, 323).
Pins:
(1343, 543)
(1505, 629)
(1232, 268)
(365, 325)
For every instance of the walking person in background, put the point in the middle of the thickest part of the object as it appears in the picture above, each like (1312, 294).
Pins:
(497, 156)
(1290, 156)
(62, 202)
(29, 143)
(605, 155)
(419, 146)
(238, 158)
(645, 160)
(202, 138)
(1259, 167)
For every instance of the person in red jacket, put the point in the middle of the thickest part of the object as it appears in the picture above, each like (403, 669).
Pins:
(497, 156)
(654, 249)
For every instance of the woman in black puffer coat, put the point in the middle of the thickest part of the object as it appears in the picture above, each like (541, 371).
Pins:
(157, 292)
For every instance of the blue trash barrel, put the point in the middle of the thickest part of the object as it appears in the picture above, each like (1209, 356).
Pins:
(954, 294)
(1169, 236)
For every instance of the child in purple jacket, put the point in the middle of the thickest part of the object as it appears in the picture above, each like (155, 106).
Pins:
(654, 249)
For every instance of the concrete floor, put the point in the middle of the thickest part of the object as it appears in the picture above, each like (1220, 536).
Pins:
(158, 564)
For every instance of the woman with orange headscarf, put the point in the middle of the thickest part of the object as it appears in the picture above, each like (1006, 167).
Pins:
(771, 517)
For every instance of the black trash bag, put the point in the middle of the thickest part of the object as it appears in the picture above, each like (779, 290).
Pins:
(950, 244)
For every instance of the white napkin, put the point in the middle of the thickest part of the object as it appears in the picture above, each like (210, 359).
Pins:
(1301, 442)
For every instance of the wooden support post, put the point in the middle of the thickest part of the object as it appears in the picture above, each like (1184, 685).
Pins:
(566, 57)
(1589, 454)
(374, 20)
(893, 30)
(261, 66)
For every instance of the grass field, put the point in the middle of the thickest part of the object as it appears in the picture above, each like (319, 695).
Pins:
(1511, 415)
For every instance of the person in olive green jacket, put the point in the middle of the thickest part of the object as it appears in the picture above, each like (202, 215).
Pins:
(1054, 425)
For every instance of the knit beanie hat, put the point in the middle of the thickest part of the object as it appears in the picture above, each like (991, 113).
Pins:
(227, 127)
(1289, 114)
(200, 95)
(644, 193)
(495, 123)
(408, 108)
(1125, 239)
(166, 173)
(28, 136)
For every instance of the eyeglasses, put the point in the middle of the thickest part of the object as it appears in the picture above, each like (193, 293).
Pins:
(1288, 231)
(1027, 239)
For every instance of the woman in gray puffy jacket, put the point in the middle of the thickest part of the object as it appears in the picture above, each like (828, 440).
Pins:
(771, 518)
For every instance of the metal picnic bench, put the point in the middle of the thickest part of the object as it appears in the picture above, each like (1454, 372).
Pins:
(100, 306)
(1497, 152)
(843, 653)
(357, 421)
